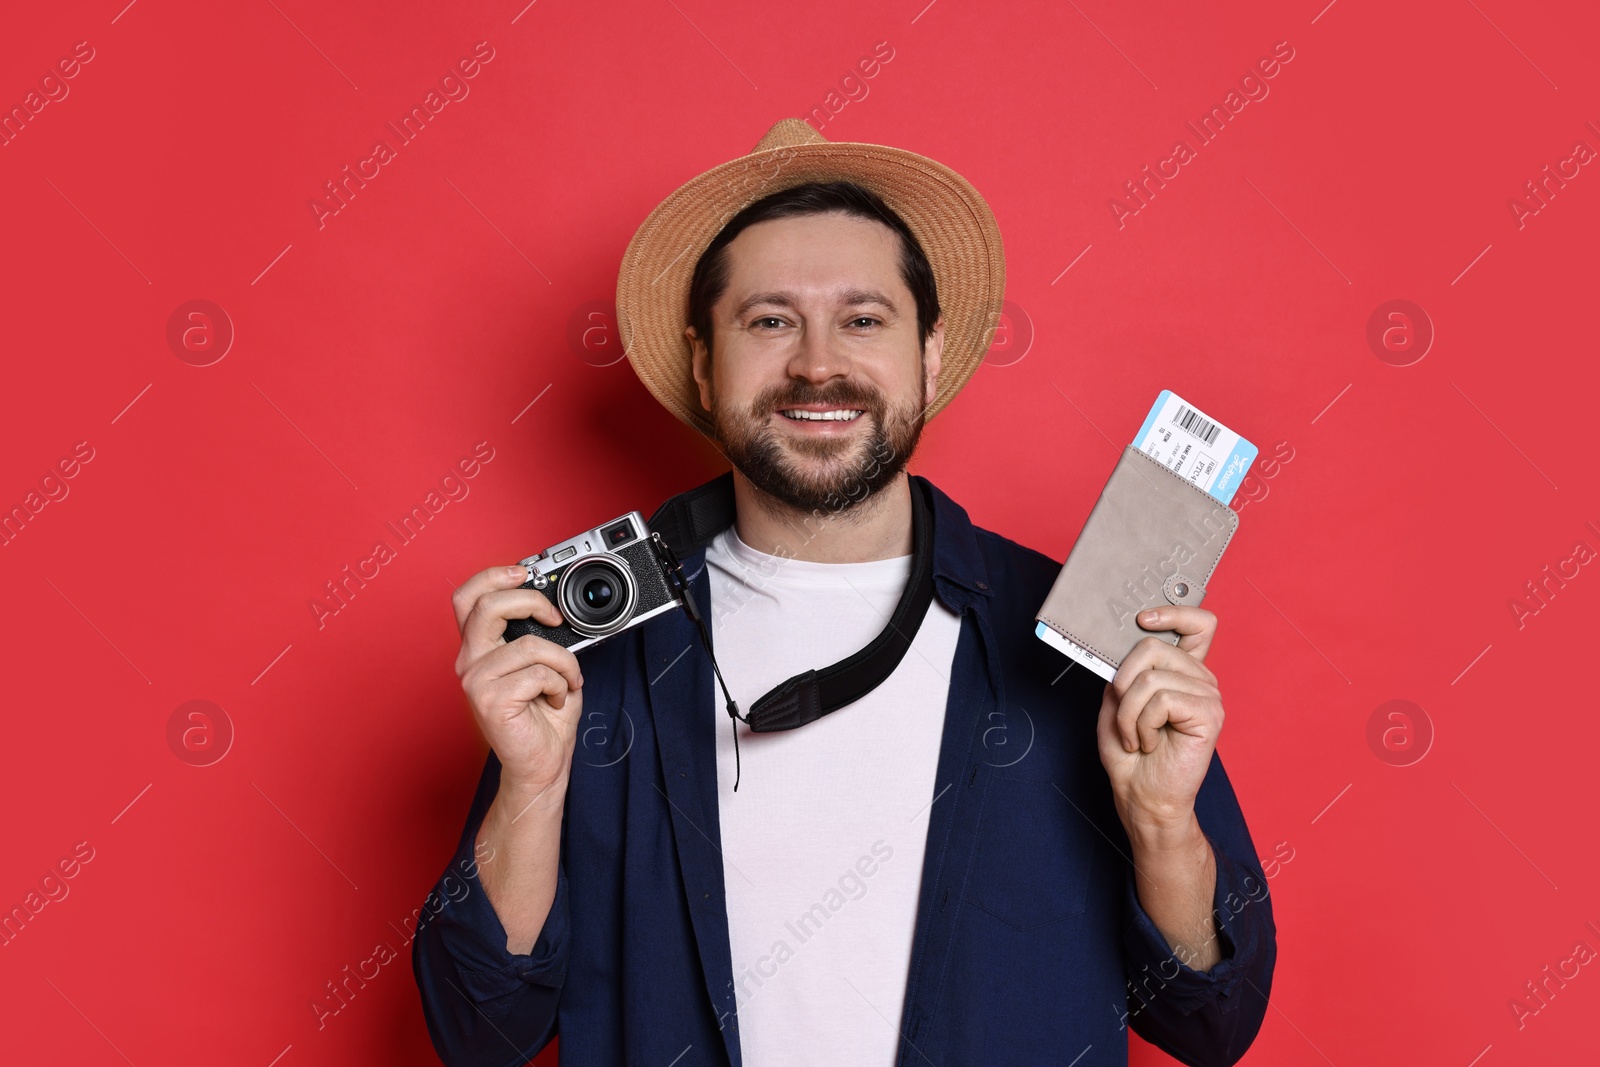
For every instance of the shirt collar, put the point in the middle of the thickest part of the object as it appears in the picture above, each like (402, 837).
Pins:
(960, 576)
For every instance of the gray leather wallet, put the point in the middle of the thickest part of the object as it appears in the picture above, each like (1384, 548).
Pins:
(1153, 538)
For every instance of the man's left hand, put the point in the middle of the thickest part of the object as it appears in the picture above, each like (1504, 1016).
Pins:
(1159, 720)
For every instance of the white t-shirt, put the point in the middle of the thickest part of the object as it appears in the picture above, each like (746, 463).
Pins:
(822, 845)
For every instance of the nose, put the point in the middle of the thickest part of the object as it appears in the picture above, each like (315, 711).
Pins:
(818, 356)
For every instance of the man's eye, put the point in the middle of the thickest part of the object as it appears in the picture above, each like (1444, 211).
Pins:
(868, 319)
(767, 318)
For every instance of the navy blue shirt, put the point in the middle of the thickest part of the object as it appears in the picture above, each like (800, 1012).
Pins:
(1030, 944)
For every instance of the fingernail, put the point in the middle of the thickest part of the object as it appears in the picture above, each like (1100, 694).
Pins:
(518, 571)
(1149, 616)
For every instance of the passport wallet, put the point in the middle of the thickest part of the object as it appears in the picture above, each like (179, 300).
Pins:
(1153, 538)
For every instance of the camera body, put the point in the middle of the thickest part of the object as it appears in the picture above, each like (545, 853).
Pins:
(603, 581)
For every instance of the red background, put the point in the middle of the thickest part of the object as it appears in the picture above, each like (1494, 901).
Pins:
(1379, 563)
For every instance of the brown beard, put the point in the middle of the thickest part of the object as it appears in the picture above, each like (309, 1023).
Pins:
(855, 469)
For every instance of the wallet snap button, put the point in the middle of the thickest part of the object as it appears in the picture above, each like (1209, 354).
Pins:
(1181, 589)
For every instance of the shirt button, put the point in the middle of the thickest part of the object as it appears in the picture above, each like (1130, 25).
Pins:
(983, 585)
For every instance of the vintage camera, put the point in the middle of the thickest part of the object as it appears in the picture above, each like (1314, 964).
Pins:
(603, 581)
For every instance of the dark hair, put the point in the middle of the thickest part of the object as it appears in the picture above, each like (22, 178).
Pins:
(813, 198)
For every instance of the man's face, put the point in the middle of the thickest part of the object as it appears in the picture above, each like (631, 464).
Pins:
(818, 387)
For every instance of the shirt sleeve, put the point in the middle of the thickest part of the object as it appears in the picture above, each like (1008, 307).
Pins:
(484, 1005)
(1207, 1018)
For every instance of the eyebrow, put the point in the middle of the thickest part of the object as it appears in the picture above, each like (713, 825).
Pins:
(850, 298)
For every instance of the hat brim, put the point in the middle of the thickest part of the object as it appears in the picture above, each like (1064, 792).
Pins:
(950, 219)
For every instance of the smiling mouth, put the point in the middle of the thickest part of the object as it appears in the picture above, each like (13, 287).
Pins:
(836, 415)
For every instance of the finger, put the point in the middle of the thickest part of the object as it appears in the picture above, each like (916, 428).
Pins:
(1152, 653)
(1150, 681)
(1106, 731)
(1195, 625)
(1146, 684)
(532, 681)
(529, 651)
(1183, 711)
(1136, 722)
(486, 622)
(467, 594)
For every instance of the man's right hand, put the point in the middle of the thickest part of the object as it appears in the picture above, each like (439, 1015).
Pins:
(527, 698)
(526, 694)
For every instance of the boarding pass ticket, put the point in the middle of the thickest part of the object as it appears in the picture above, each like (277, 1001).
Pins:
(1075, 651)
(1189, 443)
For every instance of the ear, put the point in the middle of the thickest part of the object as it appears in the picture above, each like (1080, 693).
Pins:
(931, 360)
(700, 364)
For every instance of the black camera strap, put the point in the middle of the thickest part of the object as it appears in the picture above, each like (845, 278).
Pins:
(689, 521)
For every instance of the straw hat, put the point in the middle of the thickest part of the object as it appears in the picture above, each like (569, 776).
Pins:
(951, 221)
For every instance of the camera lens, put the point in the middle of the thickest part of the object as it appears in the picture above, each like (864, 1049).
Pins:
(596, 595)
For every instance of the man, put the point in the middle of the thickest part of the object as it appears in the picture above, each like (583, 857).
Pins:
(988, 856)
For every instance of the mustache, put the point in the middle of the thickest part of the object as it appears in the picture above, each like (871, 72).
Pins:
(840, 393)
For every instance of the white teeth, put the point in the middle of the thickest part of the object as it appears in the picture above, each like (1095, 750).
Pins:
(837, 415)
